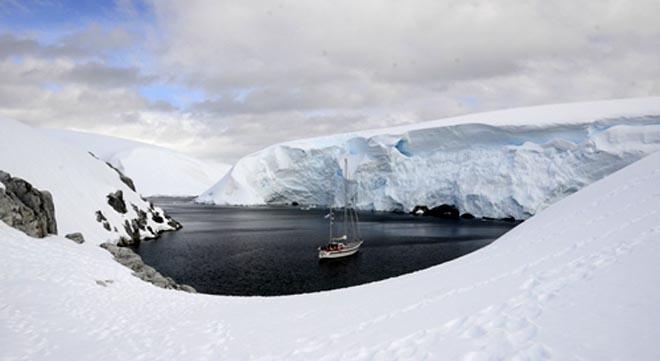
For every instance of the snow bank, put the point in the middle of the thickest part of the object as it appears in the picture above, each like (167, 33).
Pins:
(78, 182)
(155, 170)
(504, 163)
(575, 282)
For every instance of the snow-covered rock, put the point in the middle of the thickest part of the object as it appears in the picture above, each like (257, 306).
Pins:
(80, 186)
(155, 170)
(578, 281)
(504, 163)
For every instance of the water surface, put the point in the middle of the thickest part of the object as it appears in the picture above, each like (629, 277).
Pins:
(273, 251)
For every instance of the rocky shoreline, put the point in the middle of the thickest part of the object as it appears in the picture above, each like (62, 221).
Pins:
(32, 211)
(127, 257)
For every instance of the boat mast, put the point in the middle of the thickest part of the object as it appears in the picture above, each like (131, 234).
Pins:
(346, 197)
(332, 218)
(355, 220)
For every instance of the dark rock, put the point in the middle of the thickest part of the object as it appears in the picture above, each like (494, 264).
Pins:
(125, 256)
(467, 216)
(133, 231)
(76, 237)
(172, 223)
(104, 221)
(135, 224)
(116, 201)
(445, 211)
(100, 217)
(156, 217)
(130, 259)
(26, 208)
(142, 217)
(508, 219)
(295, 204)
(420, 210)
(128, 181)
(187, 288)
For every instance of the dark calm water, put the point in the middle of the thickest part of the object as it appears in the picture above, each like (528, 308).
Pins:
(272, 251)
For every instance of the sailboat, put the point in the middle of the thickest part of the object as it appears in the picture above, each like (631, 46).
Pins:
(349, 243)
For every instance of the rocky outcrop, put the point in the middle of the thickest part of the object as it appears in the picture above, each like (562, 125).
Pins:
(130, 259)
(142, 217)
(116, 201)
(173, 223)
(419, 210)
(133, 230)
(76, 237)
(101, 219)
(156, 217)
(25, 207)
(128, 181)
(446, 211)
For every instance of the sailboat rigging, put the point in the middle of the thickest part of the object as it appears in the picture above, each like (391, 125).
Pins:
(349, 243)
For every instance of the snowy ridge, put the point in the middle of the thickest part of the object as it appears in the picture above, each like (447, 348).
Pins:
(498, 164)
(155, 170)
(574, 282)
(78, 182)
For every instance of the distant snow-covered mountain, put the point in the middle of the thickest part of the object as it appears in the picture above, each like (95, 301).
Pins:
(155, 170)
(504, 163)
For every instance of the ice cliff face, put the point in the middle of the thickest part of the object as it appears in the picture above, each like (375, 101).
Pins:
(498, 164)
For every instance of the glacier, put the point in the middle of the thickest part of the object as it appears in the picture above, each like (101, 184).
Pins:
(508, 163)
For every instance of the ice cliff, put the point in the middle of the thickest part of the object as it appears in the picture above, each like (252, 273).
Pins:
(504, 163)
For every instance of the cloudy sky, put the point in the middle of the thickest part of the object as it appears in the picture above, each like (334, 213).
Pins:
(220, 79)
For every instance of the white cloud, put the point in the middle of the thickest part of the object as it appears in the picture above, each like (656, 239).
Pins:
(426, 59)
(272, 71)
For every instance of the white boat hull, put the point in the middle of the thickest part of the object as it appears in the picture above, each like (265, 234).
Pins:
(349, 250)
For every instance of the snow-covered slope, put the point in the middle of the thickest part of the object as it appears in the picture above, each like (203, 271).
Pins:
(78, 182)
(578, 281)
(505, 163)
(155, 170)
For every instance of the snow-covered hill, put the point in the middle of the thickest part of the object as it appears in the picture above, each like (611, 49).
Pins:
(578, 281)
(155, 170)
(79, 184)
(505, 163)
